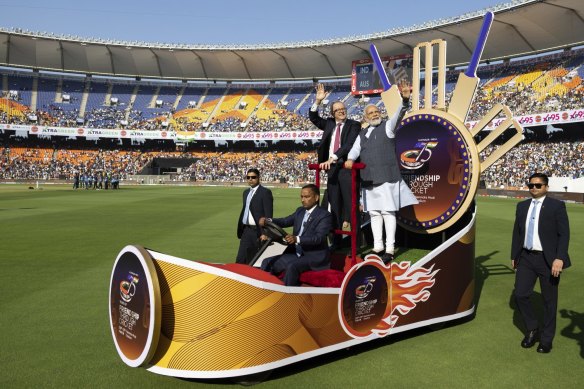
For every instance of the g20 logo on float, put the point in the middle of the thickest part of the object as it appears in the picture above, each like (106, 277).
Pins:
(363, 290)
(418, 156)
(128, 287)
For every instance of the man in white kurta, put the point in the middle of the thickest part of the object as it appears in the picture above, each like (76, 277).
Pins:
(383, 190)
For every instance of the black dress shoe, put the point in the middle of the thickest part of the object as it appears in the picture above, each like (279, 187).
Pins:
(530, 339)
(379, 254)
(544, 348)
(387, 258)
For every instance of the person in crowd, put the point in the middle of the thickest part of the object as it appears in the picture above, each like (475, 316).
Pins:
(76, 180)
(539, 250)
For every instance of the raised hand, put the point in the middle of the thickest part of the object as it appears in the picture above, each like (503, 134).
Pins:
(320, 93)
(405, 88)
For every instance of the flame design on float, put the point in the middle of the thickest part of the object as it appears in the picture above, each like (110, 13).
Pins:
(409, 286)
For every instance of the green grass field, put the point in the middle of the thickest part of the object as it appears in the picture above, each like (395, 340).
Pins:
(57, 248)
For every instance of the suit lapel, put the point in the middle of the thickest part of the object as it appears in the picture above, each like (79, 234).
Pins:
(345, 133)
(313, 215)
(542, 214)
(255, 194)
(331, 131)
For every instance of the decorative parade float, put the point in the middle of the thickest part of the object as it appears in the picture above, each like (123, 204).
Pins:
(198, 319)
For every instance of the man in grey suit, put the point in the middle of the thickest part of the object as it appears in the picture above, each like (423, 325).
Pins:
(307, 246)
(539, 250)
(257, 203)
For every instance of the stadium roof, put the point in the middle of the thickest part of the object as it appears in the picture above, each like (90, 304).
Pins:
(521, 27)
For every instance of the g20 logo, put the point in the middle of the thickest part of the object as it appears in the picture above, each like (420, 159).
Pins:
(128, 287)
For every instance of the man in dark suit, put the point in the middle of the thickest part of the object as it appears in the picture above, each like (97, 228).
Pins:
(307, 246)
(257, 203)
(539, 249)
(339, 134)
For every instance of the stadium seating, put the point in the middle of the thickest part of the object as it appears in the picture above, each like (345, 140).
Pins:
(535, 85)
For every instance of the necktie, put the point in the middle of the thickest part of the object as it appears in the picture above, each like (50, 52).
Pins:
(337, 140)
(306, 215)
(246, 211)
(299, 250)
(531, 225)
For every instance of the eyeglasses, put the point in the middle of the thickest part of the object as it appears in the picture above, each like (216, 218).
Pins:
(538, 186)
(251, 177)
(340, 110)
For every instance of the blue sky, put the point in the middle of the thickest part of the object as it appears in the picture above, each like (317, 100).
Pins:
(226, 21)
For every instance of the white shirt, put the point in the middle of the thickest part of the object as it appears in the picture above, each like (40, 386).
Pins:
(250, 220)
(332, 144)
(536, 241)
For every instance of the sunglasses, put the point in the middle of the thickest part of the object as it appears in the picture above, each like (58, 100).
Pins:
(538, 186)
(251, 177)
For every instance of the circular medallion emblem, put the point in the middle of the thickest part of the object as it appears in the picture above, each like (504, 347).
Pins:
(435, 159)
(134, 306)
(364, 299)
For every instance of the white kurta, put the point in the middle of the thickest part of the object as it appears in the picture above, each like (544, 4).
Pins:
(387, 196)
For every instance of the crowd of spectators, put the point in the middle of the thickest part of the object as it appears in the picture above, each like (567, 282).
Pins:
(557, 159)
(523, 97)
(21, 158)
(26, 160)
(282, 167)
(521, 102)
(55, 115)
(105, 118)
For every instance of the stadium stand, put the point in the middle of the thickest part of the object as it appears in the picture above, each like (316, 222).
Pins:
(560, 154)
(536, 85)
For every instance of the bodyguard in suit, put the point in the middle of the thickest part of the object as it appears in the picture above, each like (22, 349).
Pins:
(307, 246)
(257, 203)
(339, 134)
(539, 250)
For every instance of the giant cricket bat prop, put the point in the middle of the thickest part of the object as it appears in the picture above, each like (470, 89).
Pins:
(465, 89)
(390, 95)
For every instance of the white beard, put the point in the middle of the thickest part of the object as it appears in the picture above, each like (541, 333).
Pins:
(374, 123)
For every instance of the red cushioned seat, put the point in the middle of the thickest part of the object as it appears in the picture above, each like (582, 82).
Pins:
(328, 278)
